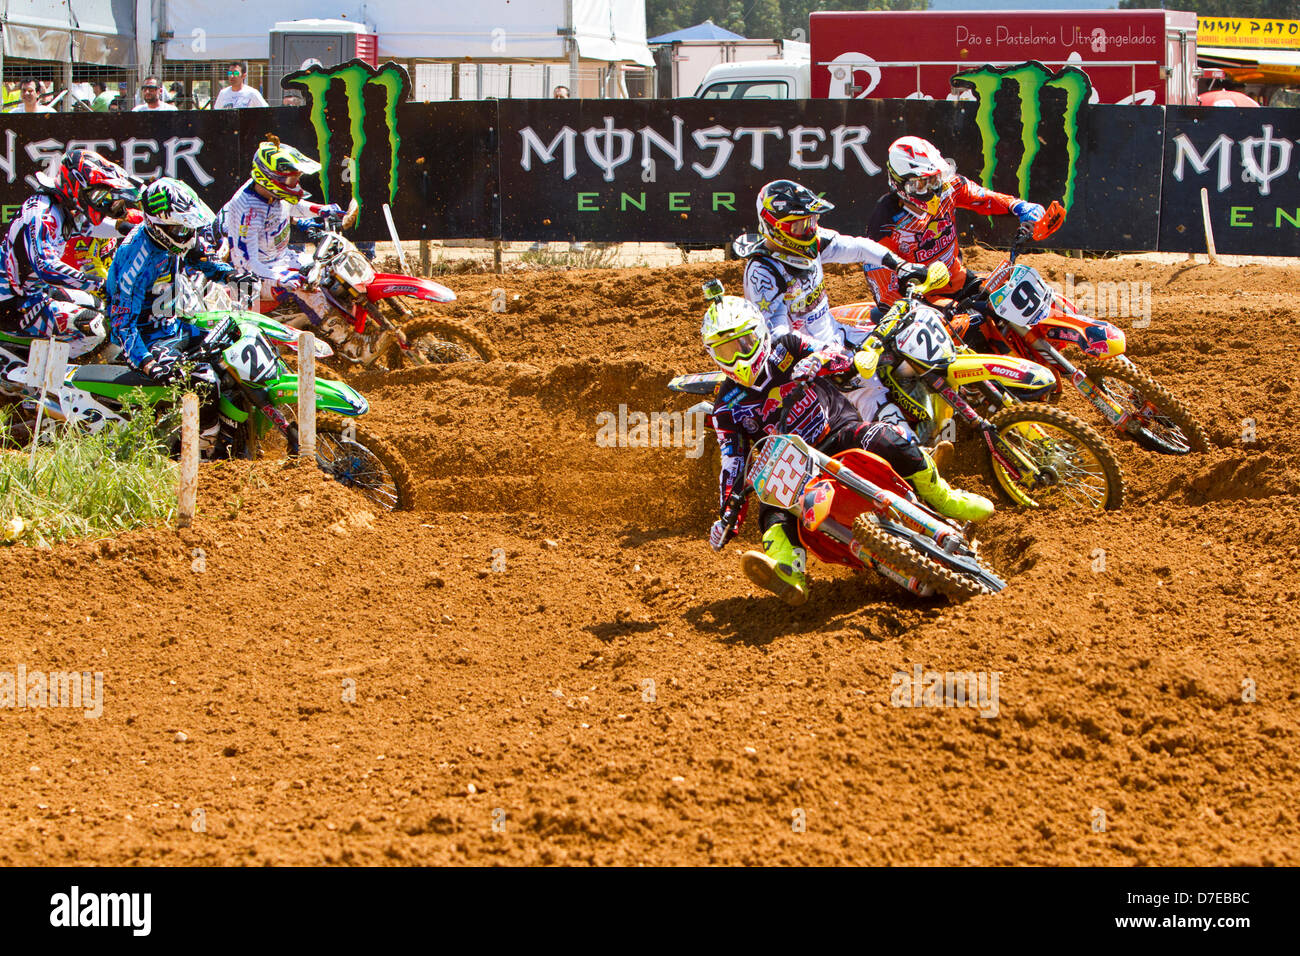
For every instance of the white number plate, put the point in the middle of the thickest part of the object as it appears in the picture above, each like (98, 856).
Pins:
(251, 358)
(780, 472)
(1023, 299)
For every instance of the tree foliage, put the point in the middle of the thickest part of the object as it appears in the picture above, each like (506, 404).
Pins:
(756, 19)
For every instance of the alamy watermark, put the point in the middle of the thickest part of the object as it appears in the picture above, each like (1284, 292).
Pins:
(628, 429)
(22, 689)
(922, 688)
(1108, 300)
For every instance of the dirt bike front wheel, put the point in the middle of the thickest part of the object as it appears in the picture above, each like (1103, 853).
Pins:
(1163, 423)
(902, 557)
(359, 460)
(1082, 468)
(438, 341)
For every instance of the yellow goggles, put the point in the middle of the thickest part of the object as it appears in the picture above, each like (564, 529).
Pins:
(733, 350)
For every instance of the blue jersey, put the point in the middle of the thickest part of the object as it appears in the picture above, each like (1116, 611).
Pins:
(140, 292)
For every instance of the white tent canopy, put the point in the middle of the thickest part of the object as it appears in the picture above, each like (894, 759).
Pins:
(610, 30)
(84, 31)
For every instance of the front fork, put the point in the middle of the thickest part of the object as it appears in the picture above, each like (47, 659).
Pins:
(1012, 459)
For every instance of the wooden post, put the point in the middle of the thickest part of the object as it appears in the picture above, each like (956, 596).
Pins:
(1209, 231)
(426, 258)
(189, 471)
(496, 256)
(306, 395)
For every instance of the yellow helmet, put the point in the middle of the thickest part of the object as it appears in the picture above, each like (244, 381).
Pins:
(277, 169)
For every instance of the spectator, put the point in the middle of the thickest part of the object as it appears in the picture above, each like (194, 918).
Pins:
(291, 98)
(31, 99)
(104, 97)
(238, 96)
(151, 94)
(560, 93)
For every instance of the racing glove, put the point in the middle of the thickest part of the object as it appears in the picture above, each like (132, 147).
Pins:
(1027, 212)
(719, 535)
(806, 369)
(162, 364)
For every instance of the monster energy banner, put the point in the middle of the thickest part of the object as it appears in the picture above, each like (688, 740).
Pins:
(1249, 169)
(687, 170)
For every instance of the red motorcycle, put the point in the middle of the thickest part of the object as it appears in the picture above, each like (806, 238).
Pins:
(375, 305)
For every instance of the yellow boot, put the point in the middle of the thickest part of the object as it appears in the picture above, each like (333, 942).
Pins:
(780, 568)
(943, 498)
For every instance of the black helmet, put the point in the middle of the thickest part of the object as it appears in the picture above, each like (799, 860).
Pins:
(787, 219)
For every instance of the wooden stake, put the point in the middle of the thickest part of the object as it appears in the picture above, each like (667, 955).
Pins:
(1209, 232)
(189, 471)
(306, 395)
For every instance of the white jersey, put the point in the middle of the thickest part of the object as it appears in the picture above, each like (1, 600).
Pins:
(795, 299)
(258, 231)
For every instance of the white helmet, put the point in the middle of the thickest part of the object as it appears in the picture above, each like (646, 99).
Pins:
(917, 173)
(173, 214)
(738, 339)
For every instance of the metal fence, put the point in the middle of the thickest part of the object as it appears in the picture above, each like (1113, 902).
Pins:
(191, 84)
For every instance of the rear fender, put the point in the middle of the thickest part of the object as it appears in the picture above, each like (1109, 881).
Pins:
(386, 285)
(697, 383)
(1008, 370)
(331, 396)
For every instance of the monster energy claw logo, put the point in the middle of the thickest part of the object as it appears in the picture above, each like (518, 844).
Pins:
(1030, 80)
(355, 77)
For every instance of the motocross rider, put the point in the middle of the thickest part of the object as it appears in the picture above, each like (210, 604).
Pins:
(257, 222)
(764, 369)
(917, 218)
(784, 280)
(40, 293)
(141, 288)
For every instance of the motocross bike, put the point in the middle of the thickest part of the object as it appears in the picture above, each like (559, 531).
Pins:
(257, 391)
(1033, 321)
(853, 509)
(1039, 455)
(373, 303)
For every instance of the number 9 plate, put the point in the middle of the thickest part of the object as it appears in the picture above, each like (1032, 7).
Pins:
(1023, 300)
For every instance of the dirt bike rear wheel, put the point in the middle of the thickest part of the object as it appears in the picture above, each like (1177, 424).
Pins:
(1167, 425)
(1087, 470)
(902, 557)
(359, 460)
(438, 341)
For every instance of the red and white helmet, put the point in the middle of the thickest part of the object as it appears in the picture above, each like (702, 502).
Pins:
(917, 173)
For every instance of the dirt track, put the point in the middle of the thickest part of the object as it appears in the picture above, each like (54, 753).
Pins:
(1120, 689)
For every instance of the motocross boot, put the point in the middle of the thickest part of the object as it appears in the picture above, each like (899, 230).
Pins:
(943, 498)
(780, 569)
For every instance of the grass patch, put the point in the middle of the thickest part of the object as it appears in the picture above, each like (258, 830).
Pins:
(86, 484)
(594, 256)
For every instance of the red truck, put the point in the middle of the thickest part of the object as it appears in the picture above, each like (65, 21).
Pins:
(1131, 56)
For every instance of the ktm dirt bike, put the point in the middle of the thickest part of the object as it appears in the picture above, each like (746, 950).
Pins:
(1033, 321)
(1039, 455)
(374, 305)
(256, 393)
(853, 509)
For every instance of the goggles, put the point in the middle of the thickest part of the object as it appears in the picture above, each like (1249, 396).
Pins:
(179, 233)
(734, 350)
(103, 200)
(805, 227)
(922, 185)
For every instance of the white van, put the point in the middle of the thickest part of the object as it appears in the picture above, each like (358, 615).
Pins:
(757, 80)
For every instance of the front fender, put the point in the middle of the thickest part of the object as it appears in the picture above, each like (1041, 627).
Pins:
(331, 396)
(1011, 371)
(386, 285)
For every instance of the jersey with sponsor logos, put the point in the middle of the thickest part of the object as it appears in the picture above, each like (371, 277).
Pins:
(925, 238)
(258, 231)
(794, 299)
(741, 414)
(141, 287)
(32, 251)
